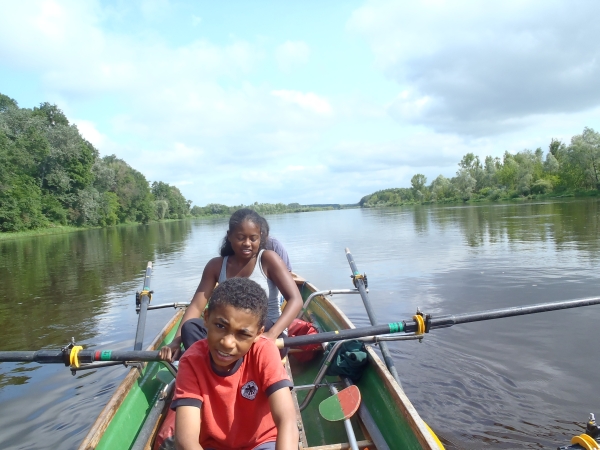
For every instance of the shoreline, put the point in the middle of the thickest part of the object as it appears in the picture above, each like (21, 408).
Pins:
(64, 229)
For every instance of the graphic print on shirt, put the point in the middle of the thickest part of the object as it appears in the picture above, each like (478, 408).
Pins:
(249, 390)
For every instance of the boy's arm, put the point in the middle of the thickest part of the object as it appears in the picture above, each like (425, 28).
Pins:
(284, 416)
(187, 428)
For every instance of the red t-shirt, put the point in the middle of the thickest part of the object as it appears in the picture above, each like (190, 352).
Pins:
(235, 411)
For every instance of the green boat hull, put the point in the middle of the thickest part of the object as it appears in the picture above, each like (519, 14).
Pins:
(120, 425)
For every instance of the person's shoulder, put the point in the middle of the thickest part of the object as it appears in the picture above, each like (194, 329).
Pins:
(263, 347)
(198, 350)
(273, 243)
(214, 264)
(269, 255)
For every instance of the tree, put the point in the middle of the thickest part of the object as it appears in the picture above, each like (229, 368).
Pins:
(464, 183)
(441, 188)
(585, 154)
(418, 182)
(136, 202)
(6, 102)
(162, 208)
(52, 114)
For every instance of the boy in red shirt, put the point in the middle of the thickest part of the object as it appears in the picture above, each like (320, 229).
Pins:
(232, 392)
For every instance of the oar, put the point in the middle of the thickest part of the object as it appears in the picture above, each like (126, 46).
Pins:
(340, 406)
(74, 356)
(406, 326)
(144, 299)
(429, 322)
(361, 286)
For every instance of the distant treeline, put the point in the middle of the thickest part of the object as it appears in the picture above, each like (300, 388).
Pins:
(261, 208)
(566, 169)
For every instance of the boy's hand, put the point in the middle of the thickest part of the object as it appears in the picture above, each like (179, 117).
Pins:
(171, 352)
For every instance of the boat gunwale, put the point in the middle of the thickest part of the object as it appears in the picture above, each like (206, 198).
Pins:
(109, 411)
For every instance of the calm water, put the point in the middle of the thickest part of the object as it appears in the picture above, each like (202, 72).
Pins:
(526, 382)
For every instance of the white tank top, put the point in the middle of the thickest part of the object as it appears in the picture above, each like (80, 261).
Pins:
(257, 275)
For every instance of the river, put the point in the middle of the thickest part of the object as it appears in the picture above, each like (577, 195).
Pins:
(524, 382)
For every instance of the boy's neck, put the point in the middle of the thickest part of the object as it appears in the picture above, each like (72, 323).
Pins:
(225, 372)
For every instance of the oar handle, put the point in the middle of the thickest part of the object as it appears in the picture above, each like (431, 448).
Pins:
(331, 336)
(83, 356)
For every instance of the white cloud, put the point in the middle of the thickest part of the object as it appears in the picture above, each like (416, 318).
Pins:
(291, 54)
(309, 101)
(89, 132)
(485, 67)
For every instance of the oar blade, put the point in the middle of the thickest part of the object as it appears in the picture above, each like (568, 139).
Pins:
(340, 406)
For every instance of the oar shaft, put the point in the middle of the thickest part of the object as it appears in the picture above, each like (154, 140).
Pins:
(84, 356)
(410, 326)
(360, 284)
(145, 301)
(456, 319)
(331, 336)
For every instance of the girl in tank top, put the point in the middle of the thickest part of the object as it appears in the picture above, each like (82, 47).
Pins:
(242, 255)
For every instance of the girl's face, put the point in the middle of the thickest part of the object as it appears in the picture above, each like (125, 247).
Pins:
(245, 239)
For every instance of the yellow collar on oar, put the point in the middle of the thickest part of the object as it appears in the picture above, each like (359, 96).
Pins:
(73, 359)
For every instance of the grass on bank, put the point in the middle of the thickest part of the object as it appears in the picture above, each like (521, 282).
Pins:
(58, 229)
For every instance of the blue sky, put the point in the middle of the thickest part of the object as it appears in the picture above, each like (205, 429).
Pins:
(310, 102)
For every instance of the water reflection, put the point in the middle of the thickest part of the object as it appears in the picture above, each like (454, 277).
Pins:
(567, 223)
(52, 285)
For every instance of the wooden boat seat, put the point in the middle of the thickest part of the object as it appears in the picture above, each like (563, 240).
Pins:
(343, 446)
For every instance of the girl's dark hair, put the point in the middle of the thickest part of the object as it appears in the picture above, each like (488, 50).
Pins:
(236, 219)
(241, 293)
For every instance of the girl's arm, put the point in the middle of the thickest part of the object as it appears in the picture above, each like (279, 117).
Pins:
(209, 279)
(277, 272)
(284, 416)
(187, 428)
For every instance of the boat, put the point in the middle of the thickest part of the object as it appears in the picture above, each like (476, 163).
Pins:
(386, 417)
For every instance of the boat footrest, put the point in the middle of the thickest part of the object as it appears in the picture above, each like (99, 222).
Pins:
(343, 446)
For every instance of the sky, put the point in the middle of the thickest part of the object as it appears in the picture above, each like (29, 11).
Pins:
(311, 102)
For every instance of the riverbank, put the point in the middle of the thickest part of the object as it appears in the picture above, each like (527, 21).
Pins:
(59, 229)
(5, 236)
(486, 199)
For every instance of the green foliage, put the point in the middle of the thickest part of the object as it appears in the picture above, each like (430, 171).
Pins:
(20, 205)
(564, 170)
(6, 102)
(215, 209)
(51, 113)
(50, 175)
(178, 206)
(584, 153)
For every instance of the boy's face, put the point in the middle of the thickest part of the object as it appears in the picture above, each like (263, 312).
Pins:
(231, 333)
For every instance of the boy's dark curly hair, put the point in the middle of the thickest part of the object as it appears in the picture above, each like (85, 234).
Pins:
(241, 293)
